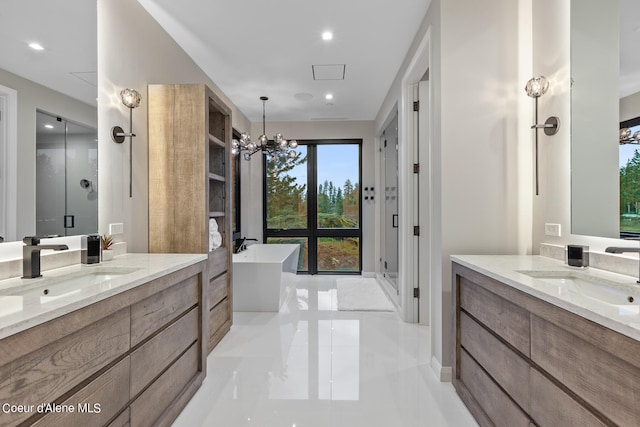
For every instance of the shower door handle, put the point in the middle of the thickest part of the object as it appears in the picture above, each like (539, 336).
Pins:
(394, 220)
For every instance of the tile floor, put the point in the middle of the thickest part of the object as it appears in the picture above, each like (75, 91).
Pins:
(311, 365)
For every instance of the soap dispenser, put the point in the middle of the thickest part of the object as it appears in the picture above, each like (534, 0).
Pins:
(90, 249)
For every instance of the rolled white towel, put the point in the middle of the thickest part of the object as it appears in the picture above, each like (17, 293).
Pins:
(213, 225)
(215, 240)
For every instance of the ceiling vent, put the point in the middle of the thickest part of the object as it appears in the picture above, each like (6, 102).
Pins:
(328, 72)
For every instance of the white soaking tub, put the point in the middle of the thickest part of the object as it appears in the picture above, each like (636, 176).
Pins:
(263, 276)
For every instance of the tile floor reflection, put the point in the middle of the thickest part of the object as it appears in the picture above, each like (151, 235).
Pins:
(311, 365)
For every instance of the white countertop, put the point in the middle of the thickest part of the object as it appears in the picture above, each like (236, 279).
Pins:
(508, 268)
(18, 313)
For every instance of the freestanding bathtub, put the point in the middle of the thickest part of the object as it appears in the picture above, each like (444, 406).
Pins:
(263, 276)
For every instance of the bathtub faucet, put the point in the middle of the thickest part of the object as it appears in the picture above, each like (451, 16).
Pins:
(240, 246)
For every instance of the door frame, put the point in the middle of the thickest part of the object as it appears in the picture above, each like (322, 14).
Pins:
(312, 232)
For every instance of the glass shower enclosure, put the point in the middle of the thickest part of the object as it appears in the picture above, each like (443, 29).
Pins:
(66, 177)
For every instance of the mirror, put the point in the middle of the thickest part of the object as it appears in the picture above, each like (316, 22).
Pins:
(60, 79)
(595, 100)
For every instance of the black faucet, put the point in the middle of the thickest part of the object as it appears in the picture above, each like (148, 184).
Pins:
(621, 250)
(240, 246)
(31, 256)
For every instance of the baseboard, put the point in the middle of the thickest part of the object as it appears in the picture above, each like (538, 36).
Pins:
(368, 274)
(443, 373)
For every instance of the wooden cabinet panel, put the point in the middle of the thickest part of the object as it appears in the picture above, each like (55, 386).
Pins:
(218, 316)
(501, 316)
(154, 356)
(109, 392)
(44, 375)
(609, 384)
(217, 290)
(148, 408)
(495, 403)
(122, 420)
(217, 262)
(149, 315)
(508, 369)
(550, 406)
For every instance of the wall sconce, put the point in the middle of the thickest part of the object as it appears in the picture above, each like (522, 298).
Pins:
(535, 88)
(131, 99)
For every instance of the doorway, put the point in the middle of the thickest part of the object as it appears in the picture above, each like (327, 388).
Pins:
(315, 201)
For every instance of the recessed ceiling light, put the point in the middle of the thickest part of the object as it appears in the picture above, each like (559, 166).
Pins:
(327, 35)
(36, 46)
(49, 126)
(328, 96)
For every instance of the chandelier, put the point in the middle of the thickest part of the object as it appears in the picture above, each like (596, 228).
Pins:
(275, 148)
(627, 138)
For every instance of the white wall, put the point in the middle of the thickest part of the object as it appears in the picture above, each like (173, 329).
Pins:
(480, 154)
(32, 96)
(134, 51)
(251, 175)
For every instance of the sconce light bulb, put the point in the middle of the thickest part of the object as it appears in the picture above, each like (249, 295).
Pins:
(130, 97)
(537, 86)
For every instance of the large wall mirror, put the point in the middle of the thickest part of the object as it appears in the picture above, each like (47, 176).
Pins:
(58, 78)
(605, 72)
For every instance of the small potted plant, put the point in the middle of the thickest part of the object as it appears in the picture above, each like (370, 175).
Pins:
(107, 252)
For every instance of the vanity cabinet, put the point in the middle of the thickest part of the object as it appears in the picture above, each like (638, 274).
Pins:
(521, 361)
(135, 358)
(190, 185)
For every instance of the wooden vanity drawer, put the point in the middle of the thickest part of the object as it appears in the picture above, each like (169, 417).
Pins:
(550, 406)
(217, 290)
(109, 391)
(506, 319)
(44, 375)
(122, 420)
(497, 405)
(154, 312)
(609, 384)
(218, 316)
(217, 262)
(151, 404)
(506, 367)
(155, 355)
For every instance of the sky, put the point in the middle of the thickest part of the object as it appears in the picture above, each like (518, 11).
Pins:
(336, 162)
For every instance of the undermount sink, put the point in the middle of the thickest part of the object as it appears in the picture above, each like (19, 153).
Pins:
(617, 296)
(50, 288)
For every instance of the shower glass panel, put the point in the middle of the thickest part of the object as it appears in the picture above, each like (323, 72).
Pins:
(66, 177)
(389, 165)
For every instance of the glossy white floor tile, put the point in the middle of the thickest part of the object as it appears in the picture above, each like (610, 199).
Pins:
(311, 365)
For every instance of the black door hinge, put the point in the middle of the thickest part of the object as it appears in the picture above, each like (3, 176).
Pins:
(416, 292)
(416, 230)
(416, 168)
(416, 105)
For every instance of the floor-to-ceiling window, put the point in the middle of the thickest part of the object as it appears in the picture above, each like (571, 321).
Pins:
(314, 201)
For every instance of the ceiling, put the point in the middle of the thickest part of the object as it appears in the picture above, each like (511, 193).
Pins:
(629, 42)
(267, 49)
(251, 48)
(67, 31)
